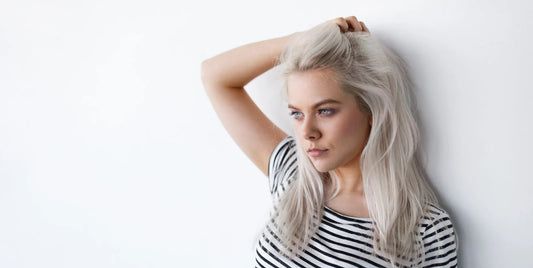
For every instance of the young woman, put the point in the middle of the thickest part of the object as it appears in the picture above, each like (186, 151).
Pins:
(348, 189)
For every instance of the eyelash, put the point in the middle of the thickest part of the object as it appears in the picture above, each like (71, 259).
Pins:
(329, 111)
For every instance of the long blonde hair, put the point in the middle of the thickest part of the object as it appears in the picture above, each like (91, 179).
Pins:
(395, 186)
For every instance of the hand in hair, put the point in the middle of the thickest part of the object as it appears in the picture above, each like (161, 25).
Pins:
(350, 24)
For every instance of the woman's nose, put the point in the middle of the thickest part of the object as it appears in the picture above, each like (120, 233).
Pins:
(310, 130)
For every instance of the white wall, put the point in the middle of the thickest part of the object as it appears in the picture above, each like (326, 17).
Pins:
(111, 156)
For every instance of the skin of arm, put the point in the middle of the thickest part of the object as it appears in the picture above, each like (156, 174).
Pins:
(224, 77)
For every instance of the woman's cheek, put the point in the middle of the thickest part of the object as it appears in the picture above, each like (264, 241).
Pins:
(347, 126)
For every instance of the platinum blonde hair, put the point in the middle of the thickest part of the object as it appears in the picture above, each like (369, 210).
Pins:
(394, 182)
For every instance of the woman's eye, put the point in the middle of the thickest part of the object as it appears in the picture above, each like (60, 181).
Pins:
(295, 115)
(325, 111)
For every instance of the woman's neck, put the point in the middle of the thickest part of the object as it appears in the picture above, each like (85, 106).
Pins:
(350, 200)
(350, 179)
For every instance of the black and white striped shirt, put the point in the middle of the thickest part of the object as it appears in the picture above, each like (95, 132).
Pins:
(344, 241)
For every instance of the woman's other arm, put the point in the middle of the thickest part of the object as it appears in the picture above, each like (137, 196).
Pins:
(224, 77)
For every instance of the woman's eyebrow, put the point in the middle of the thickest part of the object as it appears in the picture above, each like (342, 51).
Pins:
(319, 103)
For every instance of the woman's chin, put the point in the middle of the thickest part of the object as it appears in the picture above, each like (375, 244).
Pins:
(322, 168)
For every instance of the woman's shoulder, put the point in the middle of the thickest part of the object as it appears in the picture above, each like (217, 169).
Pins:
(282, 165)
(282, 153)
(435, 214)
(435, 211)
(439, 237)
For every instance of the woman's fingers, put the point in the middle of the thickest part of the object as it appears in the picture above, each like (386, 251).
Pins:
(365, 29)
(341, 22)
(354, 25)
(350, 24)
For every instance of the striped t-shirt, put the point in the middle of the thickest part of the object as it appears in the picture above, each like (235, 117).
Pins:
(345, 241)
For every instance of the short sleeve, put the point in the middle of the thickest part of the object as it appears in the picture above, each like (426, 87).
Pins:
(282, 167)
(440, 239)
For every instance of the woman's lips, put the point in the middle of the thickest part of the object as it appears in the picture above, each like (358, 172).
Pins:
(316, 152)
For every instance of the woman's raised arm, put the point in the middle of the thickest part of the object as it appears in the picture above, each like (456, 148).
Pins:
(224, 77)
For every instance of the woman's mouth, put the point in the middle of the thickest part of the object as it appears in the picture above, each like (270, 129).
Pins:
(316, 152)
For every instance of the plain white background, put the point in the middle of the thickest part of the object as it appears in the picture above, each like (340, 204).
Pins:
(111, 155)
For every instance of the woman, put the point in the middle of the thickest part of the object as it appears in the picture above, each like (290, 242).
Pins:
(348, 189)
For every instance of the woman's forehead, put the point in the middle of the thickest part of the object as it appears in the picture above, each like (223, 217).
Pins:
(311, 87)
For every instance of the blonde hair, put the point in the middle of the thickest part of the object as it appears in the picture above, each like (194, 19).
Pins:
(394, 182)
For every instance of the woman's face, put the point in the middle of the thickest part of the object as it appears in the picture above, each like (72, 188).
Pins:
(327, 119)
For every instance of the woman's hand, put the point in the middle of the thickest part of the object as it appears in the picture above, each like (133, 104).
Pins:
(350, 24)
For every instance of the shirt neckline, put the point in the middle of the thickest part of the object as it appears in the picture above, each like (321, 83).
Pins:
(339, 217)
